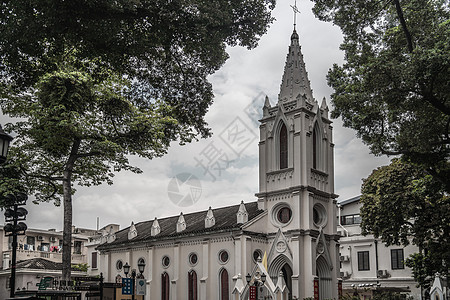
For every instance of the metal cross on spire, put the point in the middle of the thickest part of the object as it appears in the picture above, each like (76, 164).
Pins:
(295, 9)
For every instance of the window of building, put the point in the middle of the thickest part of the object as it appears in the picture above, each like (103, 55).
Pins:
(119, 265)
(283, 147)
(284, 215)
(257, 254)
(351, 219)
(363, 261)
(397, 259)
(192, 285)
(193, 259)
(223, 256)
(165, 261)
(224, 289)
(314, 149)
(319, 215)
(77, 247)
(31, 240)
(94, 260)
(165, 286)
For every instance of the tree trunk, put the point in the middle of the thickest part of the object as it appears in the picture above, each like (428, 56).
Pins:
(67, 199)
(67, 230)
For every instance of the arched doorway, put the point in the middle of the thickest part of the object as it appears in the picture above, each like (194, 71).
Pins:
(282, 264)
(325, 282)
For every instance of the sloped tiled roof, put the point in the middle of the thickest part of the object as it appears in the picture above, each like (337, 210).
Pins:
(39, 264)
(348, 201)
(225, 220)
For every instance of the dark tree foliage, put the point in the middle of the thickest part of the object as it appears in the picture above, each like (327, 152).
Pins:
(403, 204)
(393, 88)
(96, 81)
(168, 46)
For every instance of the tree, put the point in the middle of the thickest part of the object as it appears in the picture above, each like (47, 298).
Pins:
(98, 80)
(168, 47)
(76, 130)
(393, 88)
(402, 204)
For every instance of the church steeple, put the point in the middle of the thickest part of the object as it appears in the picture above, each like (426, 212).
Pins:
(295, 82)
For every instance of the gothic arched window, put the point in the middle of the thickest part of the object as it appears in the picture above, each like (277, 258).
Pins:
(283, 147)
(192, 285)
(316, 146)
(224, 290)
(165, 286)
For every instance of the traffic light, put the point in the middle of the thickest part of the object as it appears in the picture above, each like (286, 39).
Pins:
(14, 213)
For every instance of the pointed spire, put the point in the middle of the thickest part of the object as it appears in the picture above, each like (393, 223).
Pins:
(324, 105)
(181, 224)
(295, 82)
(266, 107)
(280, 282)
(324, 108)
(267, 102)
(242, 214)
(132, 232)
(210, 220)
(156, 229)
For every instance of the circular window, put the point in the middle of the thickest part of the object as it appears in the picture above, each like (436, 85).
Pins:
(193, 259)
(319, 215)
(223, 256)
(257, 254)
(119, 265)
(281, 214)
(284, 215)
(165, 261)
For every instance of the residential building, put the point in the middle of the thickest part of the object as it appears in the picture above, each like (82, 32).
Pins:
(367, 264)
(39, 254)
(93, 255)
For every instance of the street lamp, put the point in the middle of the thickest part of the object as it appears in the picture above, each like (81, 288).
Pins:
(4, 144)
(126, 270)
(141, 266)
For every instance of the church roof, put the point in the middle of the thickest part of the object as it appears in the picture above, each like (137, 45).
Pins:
(225, 220)
(295, 80)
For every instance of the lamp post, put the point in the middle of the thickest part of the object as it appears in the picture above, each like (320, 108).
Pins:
(5, 139)
(256, 284)
(126, 270)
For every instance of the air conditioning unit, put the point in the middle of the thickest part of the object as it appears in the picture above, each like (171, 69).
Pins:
(344, 274)
(382, 273)
(52, 239)
(344, 258)
(40, 238)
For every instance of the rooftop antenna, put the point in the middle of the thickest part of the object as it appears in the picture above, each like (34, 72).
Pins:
(295, 9)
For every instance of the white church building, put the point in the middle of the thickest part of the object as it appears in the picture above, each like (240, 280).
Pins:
(288, 235)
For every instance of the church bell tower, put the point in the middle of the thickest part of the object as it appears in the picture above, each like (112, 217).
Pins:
(296, 184)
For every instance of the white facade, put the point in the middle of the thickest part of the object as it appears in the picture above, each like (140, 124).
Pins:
(291, 227)
(367, 264)
(42, 246)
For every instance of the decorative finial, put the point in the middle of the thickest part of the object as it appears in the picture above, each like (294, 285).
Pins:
(295, 9)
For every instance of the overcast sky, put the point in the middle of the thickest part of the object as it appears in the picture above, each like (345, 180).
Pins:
(240, 87)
